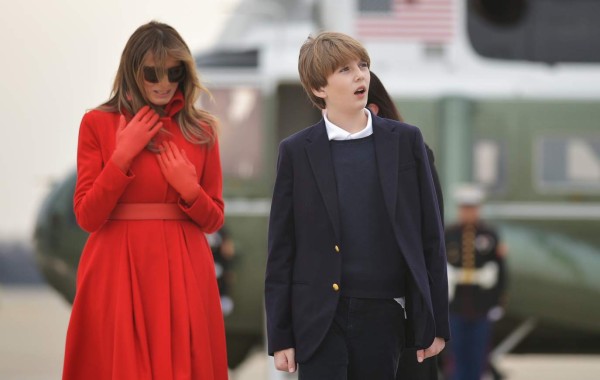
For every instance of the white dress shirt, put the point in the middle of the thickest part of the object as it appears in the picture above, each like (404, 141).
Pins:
(336, 133)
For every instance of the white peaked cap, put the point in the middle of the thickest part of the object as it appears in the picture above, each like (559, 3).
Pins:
(469, 194)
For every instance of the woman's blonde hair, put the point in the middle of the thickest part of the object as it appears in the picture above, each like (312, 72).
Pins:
(162, 41)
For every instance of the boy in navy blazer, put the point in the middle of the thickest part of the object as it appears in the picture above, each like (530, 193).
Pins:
(357, 266)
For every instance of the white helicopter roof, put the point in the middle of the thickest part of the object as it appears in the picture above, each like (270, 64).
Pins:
(409, 62)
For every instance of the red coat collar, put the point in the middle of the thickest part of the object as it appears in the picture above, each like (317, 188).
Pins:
(175, 104)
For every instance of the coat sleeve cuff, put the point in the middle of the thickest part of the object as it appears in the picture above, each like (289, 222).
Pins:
(113, 178)
(204, 211)
(281, 341)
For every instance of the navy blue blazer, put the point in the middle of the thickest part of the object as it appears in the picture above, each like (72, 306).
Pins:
(305, 250)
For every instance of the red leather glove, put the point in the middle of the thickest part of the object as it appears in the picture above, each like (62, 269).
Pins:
(179, 171)
(132, 138)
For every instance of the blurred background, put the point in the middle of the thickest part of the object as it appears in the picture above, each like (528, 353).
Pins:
(506, 93)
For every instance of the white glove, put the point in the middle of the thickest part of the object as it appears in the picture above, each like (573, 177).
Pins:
(495, 314)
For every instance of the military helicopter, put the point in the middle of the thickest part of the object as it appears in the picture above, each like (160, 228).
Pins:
(507, 93)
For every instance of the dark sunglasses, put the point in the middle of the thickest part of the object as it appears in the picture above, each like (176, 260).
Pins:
(175, 74)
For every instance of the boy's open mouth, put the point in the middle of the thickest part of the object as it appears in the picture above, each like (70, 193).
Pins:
(361, 90)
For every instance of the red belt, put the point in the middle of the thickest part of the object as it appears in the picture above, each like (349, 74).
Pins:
(146, 211)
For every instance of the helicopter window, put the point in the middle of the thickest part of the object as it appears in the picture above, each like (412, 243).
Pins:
(489, 164)
(547, 31)
(240, 113)
(569, 163)
(379, 6)
(294, 110)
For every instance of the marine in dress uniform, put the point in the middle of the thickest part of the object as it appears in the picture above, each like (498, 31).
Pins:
(476, 284)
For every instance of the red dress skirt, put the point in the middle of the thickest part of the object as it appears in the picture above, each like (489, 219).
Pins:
(147, 303)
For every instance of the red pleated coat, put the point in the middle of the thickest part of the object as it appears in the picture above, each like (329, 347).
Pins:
(147, 304)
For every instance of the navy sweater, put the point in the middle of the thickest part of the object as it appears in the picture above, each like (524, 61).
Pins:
(372, 265)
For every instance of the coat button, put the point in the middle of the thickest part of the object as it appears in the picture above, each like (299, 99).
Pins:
(337, 249)
(336, 287)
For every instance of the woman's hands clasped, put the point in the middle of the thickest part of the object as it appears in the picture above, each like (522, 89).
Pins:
(179, 171)
(132, 138)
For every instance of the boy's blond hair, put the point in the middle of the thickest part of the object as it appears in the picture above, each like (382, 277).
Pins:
(322, 55)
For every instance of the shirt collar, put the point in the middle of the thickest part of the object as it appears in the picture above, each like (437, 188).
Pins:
(336, 133)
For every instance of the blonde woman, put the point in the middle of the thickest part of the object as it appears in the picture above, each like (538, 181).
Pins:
(148, 188)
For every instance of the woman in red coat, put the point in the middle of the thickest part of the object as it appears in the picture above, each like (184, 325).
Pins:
(148, 188)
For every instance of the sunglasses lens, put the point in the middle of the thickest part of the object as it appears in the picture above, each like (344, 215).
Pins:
(176, 74)
(150, 75)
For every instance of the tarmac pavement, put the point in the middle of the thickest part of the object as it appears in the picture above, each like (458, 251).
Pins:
(34, 319)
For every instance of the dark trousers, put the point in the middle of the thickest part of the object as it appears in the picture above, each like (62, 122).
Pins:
(364, 342)
(410, 369)
(469, 346)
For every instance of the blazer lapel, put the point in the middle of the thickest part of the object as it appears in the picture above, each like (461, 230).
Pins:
(319, 156)
(386, 151)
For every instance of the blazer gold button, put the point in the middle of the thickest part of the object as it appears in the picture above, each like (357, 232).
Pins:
(337, 249)
(336, 287)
